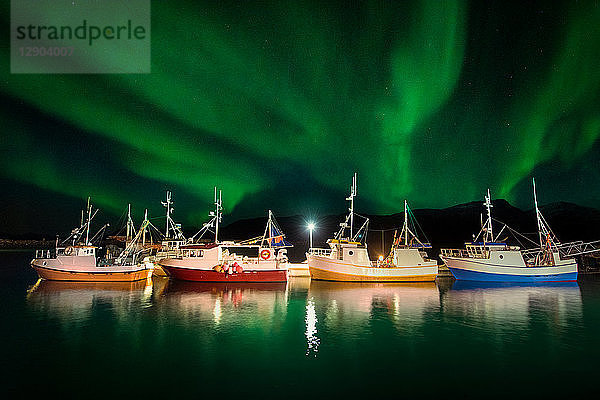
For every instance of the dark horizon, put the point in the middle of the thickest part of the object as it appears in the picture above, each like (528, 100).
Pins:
(256, 223)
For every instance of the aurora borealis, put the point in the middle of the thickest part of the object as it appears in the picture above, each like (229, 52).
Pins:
(280, 103)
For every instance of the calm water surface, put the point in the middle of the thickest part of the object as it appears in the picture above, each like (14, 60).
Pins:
(302, 340)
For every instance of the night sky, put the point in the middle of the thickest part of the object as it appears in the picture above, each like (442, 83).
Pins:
(280, 103)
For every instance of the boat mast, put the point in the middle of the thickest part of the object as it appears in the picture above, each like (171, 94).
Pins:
(145, 225)
(351, 200)
(268, 231)
(537, 214)
(89, 217)
(489, 234)
(167, 205)
(405, 227)
(129, 223)
(217, 213)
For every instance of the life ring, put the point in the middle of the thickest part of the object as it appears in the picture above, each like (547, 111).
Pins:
(265, 254)
(69, 251)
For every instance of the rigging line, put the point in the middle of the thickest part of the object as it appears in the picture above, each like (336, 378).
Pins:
(547, 226)
(385, 230)
(122, 219)
(415, 221)
(100, 231)
(361, 216)
(151, 226)
(515, 232)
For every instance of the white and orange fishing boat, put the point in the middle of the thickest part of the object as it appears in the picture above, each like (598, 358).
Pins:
(347, 258)
(262, 259)
(79, 260)
(408, 255)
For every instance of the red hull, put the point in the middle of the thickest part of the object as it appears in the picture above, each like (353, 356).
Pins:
(203, 275)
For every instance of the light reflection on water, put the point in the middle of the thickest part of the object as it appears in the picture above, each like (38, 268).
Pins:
(311, 329)
(222, 305)
(344, 311)
(315, 330)
(513, 306)
(75, 301)
(350, 308)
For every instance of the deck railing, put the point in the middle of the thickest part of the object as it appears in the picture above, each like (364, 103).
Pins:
(319, 252)
(464, 253)
(454, 253)
(45, 253)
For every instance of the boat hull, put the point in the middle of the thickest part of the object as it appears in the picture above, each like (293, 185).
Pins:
(159, 271)
(478, 271)
(208, 275)
(324, 268)
(101, 276)
(298, 270)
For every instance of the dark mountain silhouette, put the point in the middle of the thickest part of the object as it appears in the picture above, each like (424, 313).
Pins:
(449, 227)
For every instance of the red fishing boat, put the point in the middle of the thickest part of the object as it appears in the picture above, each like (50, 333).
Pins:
(261, 259)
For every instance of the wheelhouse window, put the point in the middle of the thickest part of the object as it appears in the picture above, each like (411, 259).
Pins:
(193, 253)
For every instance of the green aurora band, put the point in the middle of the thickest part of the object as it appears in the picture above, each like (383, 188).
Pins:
(278, 105)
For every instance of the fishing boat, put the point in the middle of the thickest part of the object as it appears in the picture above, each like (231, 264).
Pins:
(488, 259)
(173, 239)
(76, 259)
(408, 254)
(146, 243)
(261, 259)
(347, 258)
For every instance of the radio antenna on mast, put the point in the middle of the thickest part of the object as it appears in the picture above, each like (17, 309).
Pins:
(217, 214)
(351, 200)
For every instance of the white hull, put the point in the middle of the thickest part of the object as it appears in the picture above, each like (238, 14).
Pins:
(59, 270)
(81, 264)
(326, 268)
(492, 270)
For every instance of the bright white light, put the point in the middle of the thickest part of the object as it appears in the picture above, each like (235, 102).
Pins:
(311, 226)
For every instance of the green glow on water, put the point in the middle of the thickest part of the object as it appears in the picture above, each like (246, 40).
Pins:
(306, 339)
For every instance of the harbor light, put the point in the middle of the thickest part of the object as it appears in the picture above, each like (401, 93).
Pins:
(311, 227)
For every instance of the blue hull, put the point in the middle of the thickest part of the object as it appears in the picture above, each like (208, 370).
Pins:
(474, 285)
(466, 275)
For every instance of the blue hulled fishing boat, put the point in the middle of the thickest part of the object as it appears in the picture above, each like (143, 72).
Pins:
(487, 259)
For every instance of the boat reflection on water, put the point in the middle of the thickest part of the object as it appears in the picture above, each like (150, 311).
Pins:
(363, 299)
(298, 284)
(351, 307)
(72, 301)
(224, 302)
(513, 305)
(474, 285)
